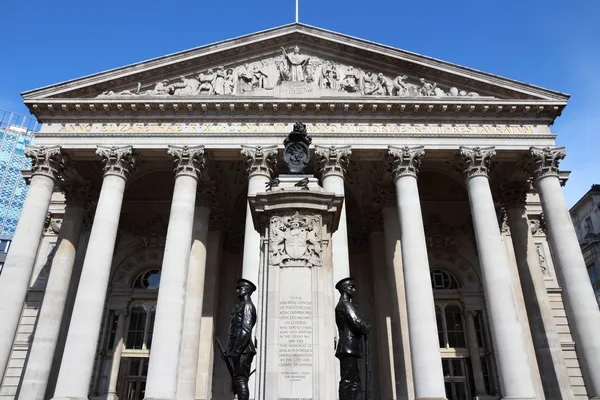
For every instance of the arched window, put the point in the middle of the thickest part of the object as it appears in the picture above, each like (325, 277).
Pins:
(443, 280)
(140, 326)
(149, 279)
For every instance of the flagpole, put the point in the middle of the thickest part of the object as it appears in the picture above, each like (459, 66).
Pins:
(296, 11)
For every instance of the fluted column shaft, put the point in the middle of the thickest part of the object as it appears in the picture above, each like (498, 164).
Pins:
(188, 367)
(261, 161)
(80, 348)
(47, 164)
(333, 161)
(509, 338)
(427, 372)
(581, 306)
(168, 327)
(35, 379)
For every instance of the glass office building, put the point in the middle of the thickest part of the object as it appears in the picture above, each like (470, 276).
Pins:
(16, 132)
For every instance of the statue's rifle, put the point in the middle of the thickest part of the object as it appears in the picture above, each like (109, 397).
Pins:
(367, 370)
(228, 363)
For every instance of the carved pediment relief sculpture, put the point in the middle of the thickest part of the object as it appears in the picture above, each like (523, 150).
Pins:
(291, 74)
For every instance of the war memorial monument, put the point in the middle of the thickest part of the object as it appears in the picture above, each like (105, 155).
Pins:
(349, 220)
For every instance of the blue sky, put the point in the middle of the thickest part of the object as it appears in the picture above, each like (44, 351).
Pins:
(549, 43)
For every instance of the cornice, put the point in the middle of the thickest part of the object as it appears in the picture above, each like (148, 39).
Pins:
(540, 111)
(255, 44)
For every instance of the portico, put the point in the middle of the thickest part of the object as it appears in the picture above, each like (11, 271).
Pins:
(154, 179)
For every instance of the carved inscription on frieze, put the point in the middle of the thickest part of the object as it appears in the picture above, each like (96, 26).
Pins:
(311, 128)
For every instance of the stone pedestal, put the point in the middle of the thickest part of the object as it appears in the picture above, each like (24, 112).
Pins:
(298, 347)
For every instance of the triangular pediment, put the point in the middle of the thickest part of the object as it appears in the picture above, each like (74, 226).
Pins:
(290, 62)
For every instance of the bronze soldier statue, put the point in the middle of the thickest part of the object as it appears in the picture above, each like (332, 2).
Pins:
(351, 330)
(241, 348)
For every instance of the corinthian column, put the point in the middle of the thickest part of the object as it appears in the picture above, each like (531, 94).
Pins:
(80, 348)
(49, 320)
(428, 378)
(47, 164)
(507, 333)
(188, 366)
(333, 161)
(261, 161)
(582, 309)
(168, 327)
(546, 341)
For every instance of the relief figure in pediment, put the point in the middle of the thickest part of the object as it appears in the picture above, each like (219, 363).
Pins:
(245, 78)
(297, 64)
(269, 75)
(400, 86)
(427, 88)
(219, 82)
(385, 83)
(229, 85)
(350, 82)
(187, 87)
(206, 82)
(372, 85)
(329, 77)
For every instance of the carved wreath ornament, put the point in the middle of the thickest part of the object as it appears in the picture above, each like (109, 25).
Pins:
(295, 241)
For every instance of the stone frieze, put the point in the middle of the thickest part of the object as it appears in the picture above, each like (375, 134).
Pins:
(291, 74)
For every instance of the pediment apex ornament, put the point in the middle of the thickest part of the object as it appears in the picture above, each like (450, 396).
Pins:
(475, 161)
(333, 160)
(49, 161)
(296, 241)
(288, 73)
(188, 160)
(544, 161)
(260, 160)
(117, 160)
(404, 161)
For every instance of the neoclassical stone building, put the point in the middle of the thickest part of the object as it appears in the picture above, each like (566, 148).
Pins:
(142, 214)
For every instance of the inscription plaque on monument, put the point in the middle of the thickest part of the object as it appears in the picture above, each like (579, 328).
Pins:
(295, 335)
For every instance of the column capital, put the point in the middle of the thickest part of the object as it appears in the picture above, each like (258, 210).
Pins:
(475, 161)
(543, 161)
(188, 160)
(260, 160)
(333, 160)
(117, 160)
(49, 161)
(514, 194)
(405, 161)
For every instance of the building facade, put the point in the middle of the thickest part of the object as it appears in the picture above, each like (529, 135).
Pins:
(16, 132)
(586, 218)
(437, 187)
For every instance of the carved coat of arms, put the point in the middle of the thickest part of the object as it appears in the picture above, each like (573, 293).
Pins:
(295, 241)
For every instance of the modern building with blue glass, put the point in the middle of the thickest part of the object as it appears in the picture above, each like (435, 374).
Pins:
(16, 132)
